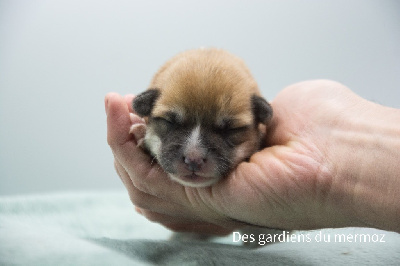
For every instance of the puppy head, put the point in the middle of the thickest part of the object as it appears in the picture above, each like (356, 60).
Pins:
(197, 150)
(201, 124)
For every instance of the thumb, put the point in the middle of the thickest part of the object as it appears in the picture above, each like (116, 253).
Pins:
(118, 120)
(122, 143)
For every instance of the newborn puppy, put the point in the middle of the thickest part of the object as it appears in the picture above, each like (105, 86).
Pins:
(204, 115)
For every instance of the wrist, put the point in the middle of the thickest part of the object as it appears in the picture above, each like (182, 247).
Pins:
(367, 167)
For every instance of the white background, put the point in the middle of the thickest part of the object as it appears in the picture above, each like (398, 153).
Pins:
(59, 58)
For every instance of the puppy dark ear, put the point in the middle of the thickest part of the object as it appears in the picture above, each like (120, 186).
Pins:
(143, 103)
(262, 110)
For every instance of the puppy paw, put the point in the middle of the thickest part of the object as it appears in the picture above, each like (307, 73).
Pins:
(138, 129)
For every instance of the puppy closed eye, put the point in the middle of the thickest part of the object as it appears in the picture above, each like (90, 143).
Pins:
(164, 121)
(168, 121)
(237, 129)
(230, 130)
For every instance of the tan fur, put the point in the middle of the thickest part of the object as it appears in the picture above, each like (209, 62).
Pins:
(217, 79)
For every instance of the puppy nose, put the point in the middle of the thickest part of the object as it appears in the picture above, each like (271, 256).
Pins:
(194, 164)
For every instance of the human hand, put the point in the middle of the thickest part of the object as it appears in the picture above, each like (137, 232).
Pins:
(315, 173)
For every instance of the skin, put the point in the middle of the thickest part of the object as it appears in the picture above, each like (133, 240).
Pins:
(332, 161)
